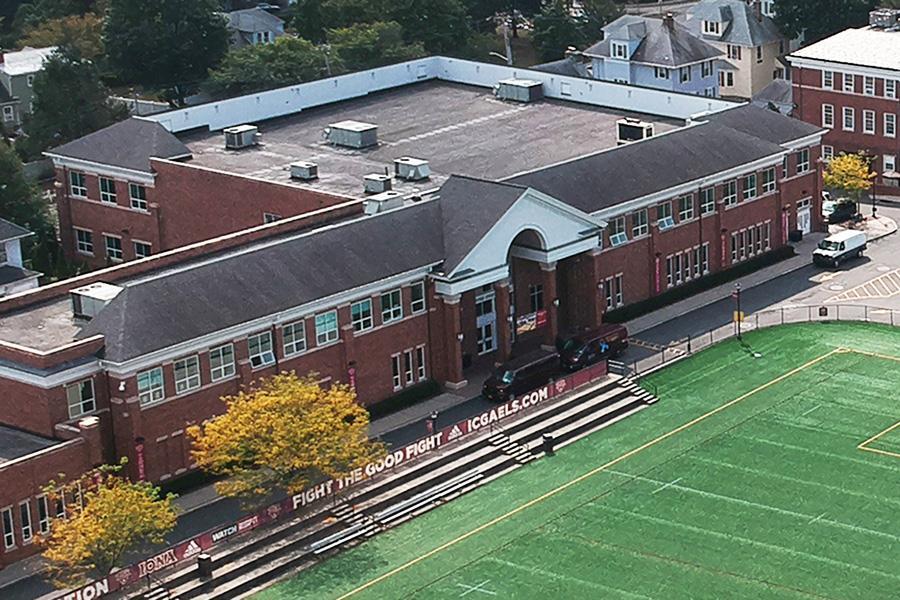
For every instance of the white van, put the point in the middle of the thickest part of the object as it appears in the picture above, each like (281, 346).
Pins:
(835, 249)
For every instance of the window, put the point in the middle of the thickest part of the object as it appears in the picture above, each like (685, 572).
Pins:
(9, 535)
(326, 328)
(889, 162)
(704, 257)
(141, 249)
(712, 28)
(395, 372)
(43, 515)
(80, 398)
(60, 504)
(686, 207)
(113, 247)
(361, 315)
(639, 223)
(617, 234)
(759, 54)
(708, 201)
(748, 186)
(848, 82)
(729, 193)
(890, 88)
(612, 287)
(221, 362)
(827, 152)
(84, 241)
(769, 183)
(661, 73)
(3, 257)
(536, 297)
(8, 113)
(77, 184)
(803, 161)
(107, 190)
(828, 80)
(391, 306)
(890, 125)
(684, 74)
(187, 374)
(664, 218)
(150, 386)
(726, 78)
(828, 115)
(29, 80)
(420, 362)
(408, 368)
(619, 50)
(869, 122)
(785, 164)
(417, 295)
(138, 194)
(260, 347)
(485, 322)
(849, 119)
(295, 337)
(706, 69)
(270, 217)
(734, 52)
(869, 86)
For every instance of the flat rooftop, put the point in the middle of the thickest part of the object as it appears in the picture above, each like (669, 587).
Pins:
(459, 129)
(867, 47)
(16, 444)
(41, 327)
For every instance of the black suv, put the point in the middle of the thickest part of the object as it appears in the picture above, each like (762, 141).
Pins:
(589, 348)
(528, 372)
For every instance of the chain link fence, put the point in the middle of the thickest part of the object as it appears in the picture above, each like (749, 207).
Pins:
(773, 317)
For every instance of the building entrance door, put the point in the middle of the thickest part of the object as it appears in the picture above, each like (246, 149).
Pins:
(804, 218)
(486, 322)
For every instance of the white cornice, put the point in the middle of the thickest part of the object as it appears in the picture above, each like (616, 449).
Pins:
(46, 382)
(96, 168)
(831, 65)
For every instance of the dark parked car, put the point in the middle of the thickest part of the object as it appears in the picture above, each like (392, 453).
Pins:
(840, 211)
(589, 348)
(520, 375)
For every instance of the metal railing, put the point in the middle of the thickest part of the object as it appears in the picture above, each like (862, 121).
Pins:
(772, 317)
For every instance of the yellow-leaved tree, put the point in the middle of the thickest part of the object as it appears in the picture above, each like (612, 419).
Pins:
(850, 173)
(284, 433)
(106, 516)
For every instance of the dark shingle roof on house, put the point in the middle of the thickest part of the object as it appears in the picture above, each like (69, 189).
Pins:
(10, 273)
(744, 28)
(568, 66)
(252, 20)
(128, 144)
(9, 230)
(663, 42)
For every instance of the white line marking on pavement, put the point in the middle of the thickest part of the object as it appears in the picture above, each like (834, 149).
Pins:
(476, 588)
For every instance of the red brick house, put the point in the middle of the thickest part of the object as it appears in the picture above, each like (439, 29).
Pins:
(848, 83)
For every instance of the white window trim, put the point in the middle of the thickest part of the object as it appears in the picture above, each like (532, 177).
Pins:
(78, 191)
(105, 196)
(265, 352)
(869, 117)
(136, 201)
(848, 114)
(26, 528)
(8, 534)
(43, 522)
(121, 249)
(296, 345)
(149, 395)
(413, 302)
(77, 386)
(394, 312)
(225, 369)
(326, 336)
(828, 116)
(889, 125)
(189, 382)
(78, 242)
(134, 245)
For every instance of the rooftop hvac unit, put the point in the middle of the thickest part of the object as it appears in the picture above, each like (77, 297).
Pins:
(632, 130)
(377, 183)
(352, 134)
(382, 202)
(241, 136)
(519, 90)
(411, 169)
(884, 18)
(88, 300)
(304, 170)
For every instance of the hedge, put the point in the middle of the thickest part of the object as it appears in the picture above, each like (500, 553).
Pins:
(404, 399)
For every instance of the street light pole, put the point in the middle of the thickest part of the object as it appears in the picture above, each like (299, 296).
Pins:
(736, 294)
(874, 215)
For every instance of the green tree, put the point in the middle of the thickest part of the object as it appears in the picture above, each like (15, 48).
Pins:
(369, 45)
(286, 61)
(165, 43)
(70, 101)
(555, 30)
(820, 18)
(21, 203)
(440, 25)
(597, 14)
(312, 18)
(78, 33)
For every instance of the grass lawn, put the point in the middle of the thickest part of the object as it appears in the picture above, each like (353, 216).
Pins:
(750, 478)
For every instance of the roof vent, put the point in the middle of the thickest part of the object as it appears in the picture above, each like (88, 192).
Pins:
(352, 134)
(519, 90)
(376, 183)
(241, 136)
(884, 18)
(382, 202)
(89, 300)
(632, 130)
(304, 170)
(411, 169)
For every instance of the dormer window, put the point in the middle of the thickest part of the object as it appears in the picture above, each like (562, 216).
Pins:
(712, 28)
(619, 50)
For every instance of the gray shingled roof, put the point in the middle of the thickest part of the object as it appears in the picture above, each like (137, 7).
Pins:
(128, 144)
(744, 28)
(665, 43)
(10, 273)
(568, 66)
(9, 230)
(729, 139)
(252, 20)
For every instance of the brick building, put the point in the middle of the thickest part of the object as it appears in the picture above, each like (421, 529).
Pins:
(120, 361)
(848, 83)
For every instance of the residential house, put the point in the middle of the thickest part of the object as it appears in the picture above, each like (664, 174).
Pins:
(253, 26)
(570, 66)
(17, 72)
(14, 277)
(657, 53)
(750, 40)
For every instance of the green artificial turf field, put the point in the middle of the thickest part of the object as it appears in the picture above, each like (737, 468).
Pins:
(751, 478)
